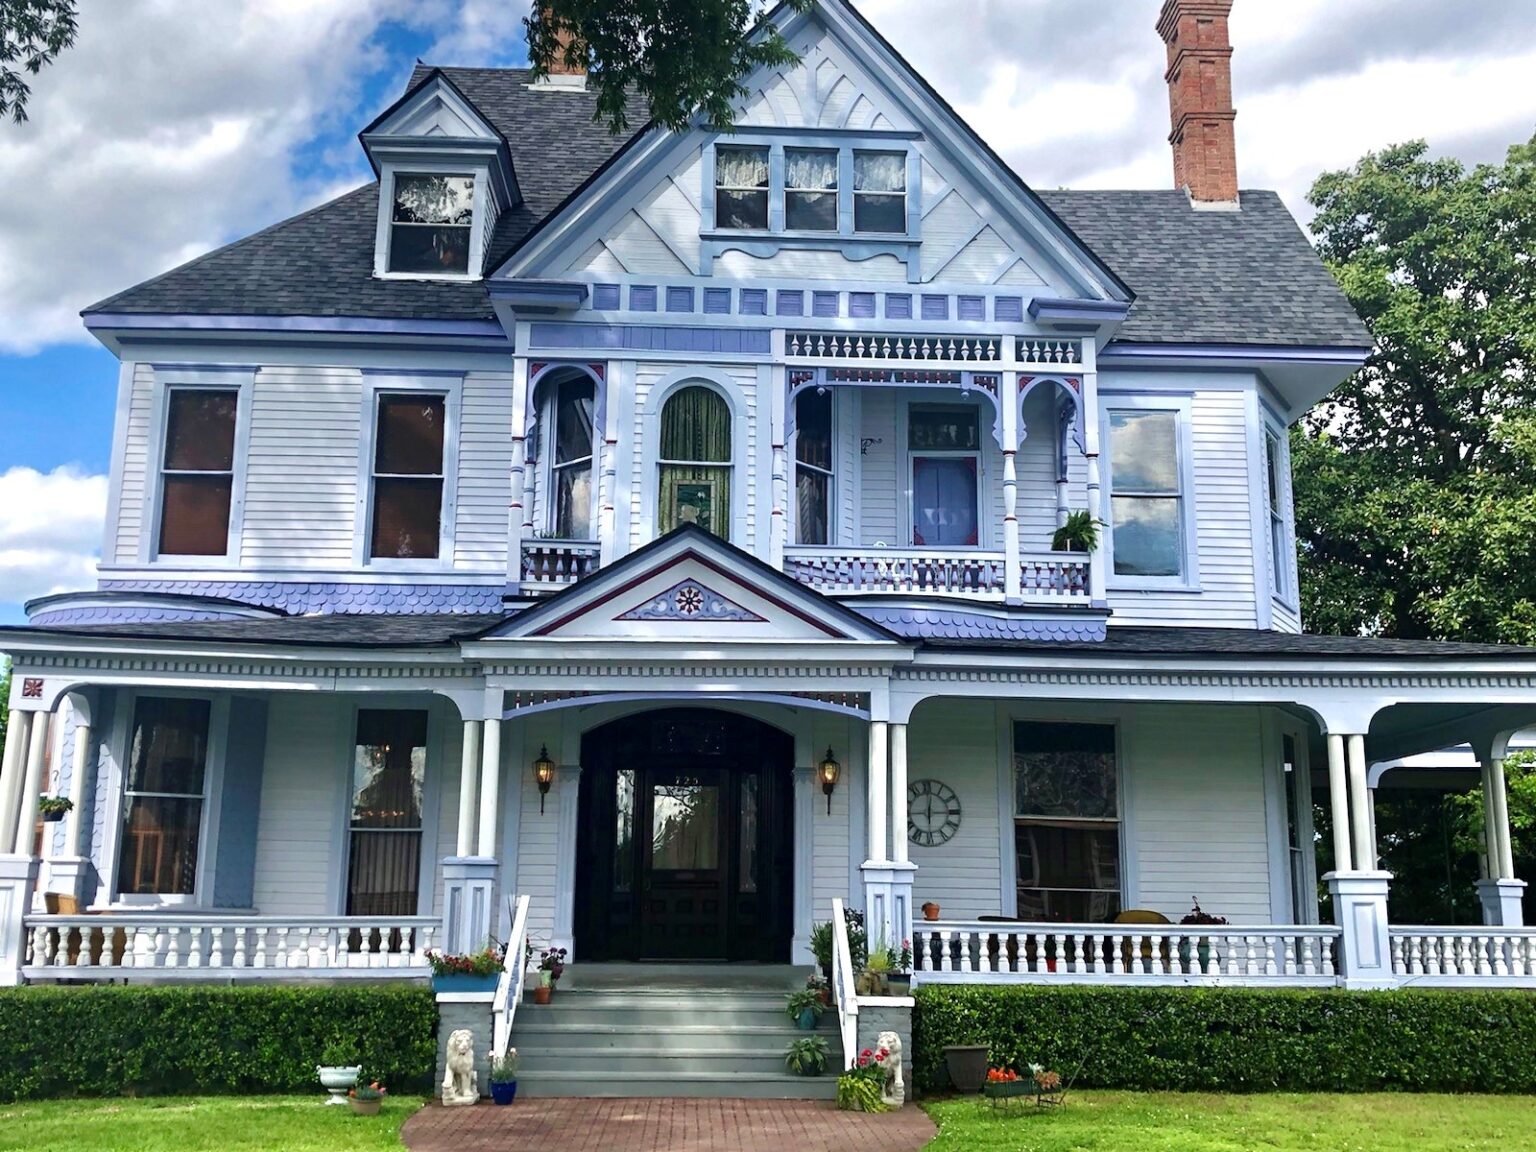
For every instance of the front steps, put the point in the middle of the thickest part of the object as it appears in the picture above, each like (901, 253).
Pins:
(705, 1036)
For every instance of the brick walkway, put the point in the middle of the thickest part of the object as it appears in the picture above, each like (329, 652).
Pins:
(596, 1125)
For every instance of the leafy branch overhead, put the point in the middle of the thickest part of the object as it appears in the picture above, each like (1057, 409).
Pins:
(32, 33)
(682, 57)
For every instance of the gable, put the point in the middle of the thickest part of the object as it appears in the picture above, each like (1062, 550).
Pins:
(433, 108)
(970, 221)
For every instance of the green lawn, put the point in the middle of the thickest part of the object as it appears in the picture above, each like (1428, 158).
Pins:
(1192, 1122)
(201, 1124)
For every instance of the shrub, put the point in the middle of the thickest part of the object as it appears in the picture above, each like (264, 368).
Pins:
(112, 1041)
(1238, 1039)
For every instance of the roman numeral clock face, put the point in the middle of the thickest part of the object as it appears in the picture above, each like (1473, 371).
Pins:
(933, 812)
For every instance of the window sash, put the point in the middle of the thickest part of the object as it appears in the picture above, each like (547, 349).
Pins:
(385, 844)
(162, 827)
(407, 506)
(413, 241)
(783, 201)
(196, 503)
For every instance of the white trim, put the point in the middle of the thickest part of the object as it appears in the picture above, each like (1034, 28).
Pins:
(242, 382)
(1181, 406)
(126, 373)
(450, 386)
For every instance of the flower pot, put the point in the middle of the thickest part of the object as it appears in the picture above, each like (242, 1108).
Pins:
(503, 1093)
(338, 1080)
(52, 817)
(930, 911)
(899, 984)
(807, 1019)
(365, 1107)
(463, 982)
(967, 1066)
(542, 993)
(826, 997)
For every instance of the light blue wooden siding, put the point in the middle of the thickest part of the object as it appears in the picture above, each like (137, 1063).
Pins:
(304, 793)
(485, 472)
(234, 874)
(137, 467)
(98, 797)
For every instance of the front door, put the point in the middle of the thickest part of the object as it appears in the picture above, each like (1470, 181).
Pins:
(684, 841)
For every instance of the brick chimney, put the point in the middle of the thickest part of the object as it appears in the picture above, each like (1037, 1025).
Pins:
(562, 75)
(1199, 80)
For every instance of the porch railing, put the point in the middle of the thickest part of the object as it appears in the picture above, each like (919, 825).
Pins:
(192, 946)
(554, 564)
(509, 989)
(1123, 953)
(932, 572)
(842, 986)
(1463, 956)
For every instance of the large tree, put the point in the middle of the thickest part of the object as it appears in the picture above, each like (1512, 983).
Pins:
(32, 33)
(682, 56)
(1416, 480)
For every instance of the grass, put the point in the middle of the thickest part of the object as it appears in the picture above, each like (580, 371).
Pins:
(1194, 1122)
(201, 1124)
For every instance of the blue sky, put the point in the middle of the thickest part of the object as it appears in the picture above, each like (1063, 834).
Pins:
(175, 126)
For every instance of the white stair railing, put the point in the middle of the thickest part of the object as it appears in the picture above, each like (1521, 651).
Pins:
(842, 985)
(509, 989)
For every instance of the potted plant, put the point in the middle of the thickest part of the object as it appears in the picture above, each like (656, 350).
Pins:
(806, 1056)
(861, 1088)
(1198, 916)
(551, 968)
(930, 911)
(52, 808)
(1078, 533)
(805, 1008)
(504, 1077)
(900, 977)
(366, 1099)
(338, 1069)
(966, 1065)
(874, 979)
(821, 987)
(472, 972)
(821, 948)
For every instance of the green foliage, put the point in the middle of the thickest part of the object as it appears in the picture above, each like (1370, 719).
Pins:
(1520, 799)
(5, 697)
(504, 1067)
(806, 1056)
(1415, 482)
(857, 1092)
(683, 57)
(111, 1041)
(799, 1001)
(32, 33)
(1079, 533)
(821, 943)
(1237, 1039)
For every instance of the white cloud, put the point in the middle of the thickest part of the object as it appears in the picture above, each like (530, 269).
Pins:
(50, 531)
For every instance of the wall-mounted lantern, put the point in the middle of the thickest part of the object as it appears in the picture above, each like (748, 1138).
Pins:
(543, 774)
(829, 770)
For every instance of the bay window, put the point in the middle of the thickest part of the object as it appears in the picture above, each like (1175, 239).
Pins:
(571, 466)
(1066, 822)
(695, 464)
(389, 772)
(408, 476)
(944, 446)
(197, 472)
(880, 192)
(1146, 493)
(431, 224)
(163, 797)
(813, 467)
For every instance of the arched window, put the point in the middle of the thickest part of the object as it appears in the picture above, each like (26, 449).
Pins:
(813, 466)
(695, 462)
(571, 420)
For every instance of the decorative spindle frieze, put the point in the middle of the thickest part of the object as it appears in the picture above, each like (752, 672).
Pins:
(1046, 350)
(894, 347)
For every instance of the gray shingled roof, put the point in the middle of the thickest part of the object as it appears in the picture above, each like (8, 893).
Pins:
(1246, 277)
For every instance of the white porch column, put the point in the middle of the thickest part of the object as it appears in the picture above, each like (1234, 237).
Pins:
(1501, 819)
(67, 871)
(490, 788)
(1338, 796)
(1359, 802)
(469, 875)
(878, 768)
(1360, 909)
(898, 739)
(32, 783)
(18, 733)
(1501, 895)
(469, 788)
(569, 788)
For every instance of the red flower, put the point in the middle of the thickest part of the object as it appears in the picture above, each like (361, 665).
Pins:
(864, 1060)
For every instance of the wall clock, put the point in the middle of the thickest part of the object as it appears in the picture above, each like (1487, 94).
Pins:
(933, 812)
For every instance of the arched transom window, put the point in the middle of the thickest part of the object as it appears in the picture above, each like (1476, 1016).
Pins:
(695, 462)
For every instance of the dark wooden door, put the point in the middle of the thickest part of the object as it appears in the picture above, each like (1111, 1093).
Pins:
(685, 839)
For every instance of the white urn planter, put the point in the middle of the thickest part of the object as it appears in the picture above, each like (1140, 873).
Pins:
(338, 1081)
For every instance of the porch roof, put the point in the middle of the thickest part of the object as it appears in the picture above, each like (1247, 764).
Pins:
(1175, 642)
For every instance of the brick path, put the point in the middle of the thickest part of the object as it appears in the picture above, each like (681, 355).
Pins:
(598, 1125)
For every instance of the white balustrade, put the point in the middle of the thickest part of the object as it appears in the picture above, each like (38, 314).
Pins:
(921, 571)
(514, 973)
(1464, 956)
(191, 945)
(1042, 350)
(1006, 952)
(554, 564)
(894, 347)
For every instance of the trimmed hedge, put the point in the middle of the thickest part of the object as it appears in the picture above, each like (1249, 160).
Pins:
(114, 1041)
(1238, 1039)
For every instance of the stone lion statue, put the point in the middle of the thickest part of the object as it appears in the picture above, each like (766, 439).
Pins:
(894, 1090)
(461, 1083)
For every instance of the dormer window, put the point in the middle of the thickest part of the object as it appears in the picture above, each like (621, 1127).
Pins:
(741, 187)
(431, 225)
(810, 189)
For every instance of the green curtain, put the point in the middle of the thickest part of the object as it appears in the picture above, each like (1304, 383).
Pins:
(696, 431)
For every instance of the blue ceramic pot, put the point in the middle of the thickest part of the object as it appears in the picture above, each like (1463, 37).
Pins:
(504, 1093)
(806, 1021)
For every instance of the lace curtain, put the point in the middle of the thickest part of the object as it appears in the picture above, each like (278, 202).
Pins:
(741, 167)
(810, 170)
(879, 172)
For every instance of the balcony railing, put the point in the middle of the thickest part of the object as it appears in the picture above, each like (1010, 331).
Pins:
(550, 565)
(192, 945)
(1051, 577)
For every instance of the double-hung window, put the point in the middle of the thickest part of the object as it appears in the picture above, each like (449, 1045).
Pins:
(879, 191)
(571, 467)
(163, 797)
(803, 190)
(810, 189)
(408, 476)
(741, 187)
(1275, 475)
(813, 466)
(1146, 493)
(389, 774)
(1066, 821)
(431, 224)
(197, 472)
(944, 445)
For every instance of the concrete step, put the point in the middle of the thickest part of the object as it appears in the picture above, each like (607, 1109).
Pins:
(667, 1063)
(718, 1085)
(655, 1010)
(608, 1037)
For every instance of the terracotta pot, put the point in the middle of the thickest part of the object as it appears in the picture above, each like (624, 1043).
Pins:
(542, 993)
(930, 911)
(365, 1107)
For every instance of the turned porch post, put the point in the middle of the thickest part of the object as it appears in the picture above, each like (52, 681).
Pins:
(1338, 796)
(469, 787)
(32, 783)
(1359, 802)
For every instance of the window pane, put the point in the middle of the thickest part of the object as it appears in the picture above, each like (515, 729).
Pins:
(407, 519)
(624, 831)
(695, 495)
(200, 430)
(696, 426)
(741, 210)
(810, 211)
(1068, 874)
(944, 501)
(1064, 770)
(813, 428)
(1272, 466)
(389, 769)
(160, 836)
(434, 200)
(1143, 452)
(685, 827)
(169, 748)
(879, 213)
(418, 248)
(384, 874)
(1147, 536)
(739, 167)
(573, 421)
(879, 171)
(810, 183)
(813, 491)
(410, 435)
(943, 429)
(573, 502)
(194, 515)
(747, 880)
